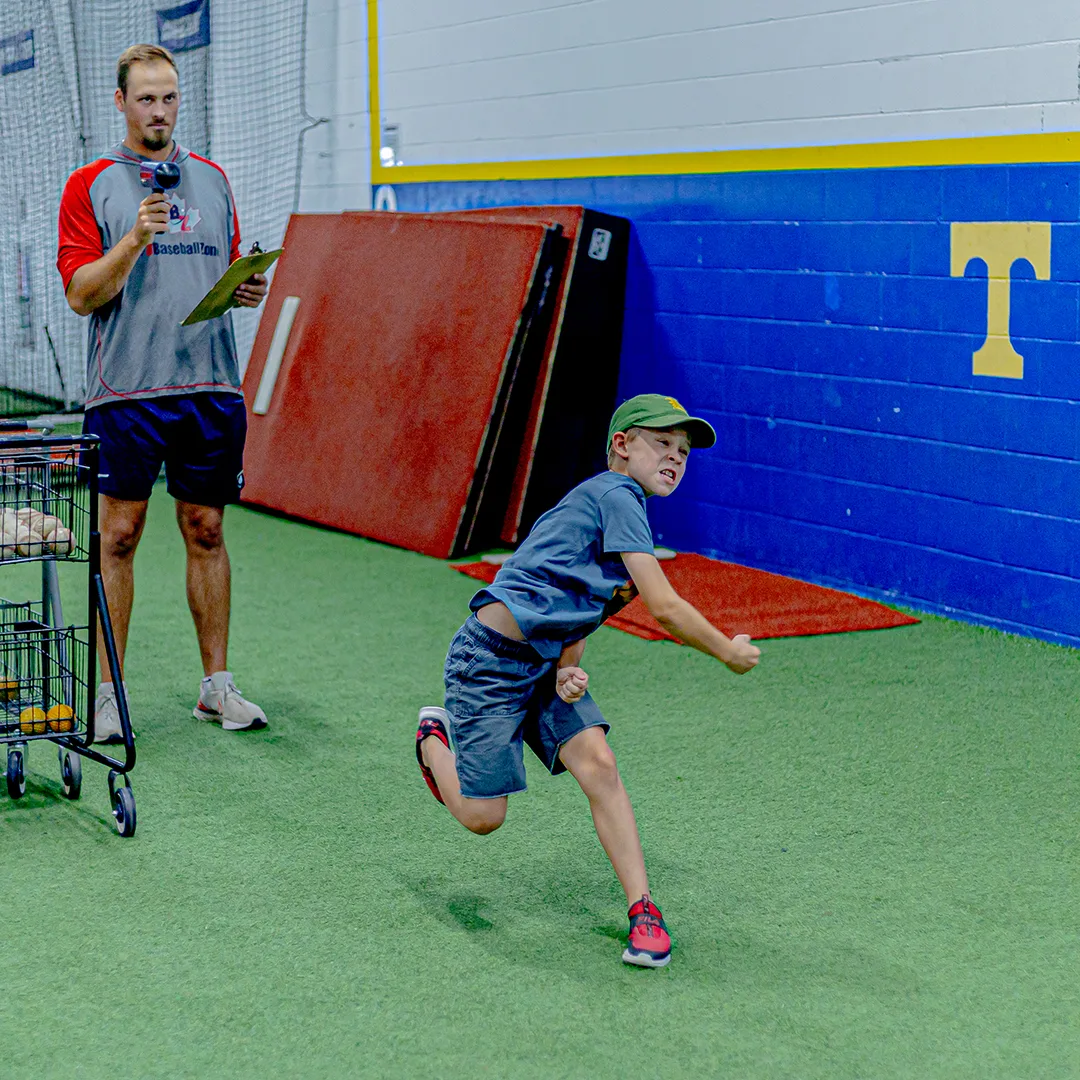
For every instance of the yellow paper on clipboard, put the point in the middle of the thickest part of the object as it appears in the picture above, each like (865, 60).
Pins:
(219, 299)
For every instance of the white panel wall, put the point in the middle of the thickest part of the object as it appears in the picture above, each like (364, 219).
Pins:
(335, 164)
(337, 154)
(500, 80)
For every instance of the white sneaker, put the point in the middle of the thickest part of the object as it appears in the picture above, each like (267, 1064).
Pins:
(107, 727)
(437, 712)
(221, 702)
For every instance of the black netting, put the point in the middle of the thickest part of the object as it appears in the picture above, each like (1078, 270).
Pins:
(41, 341)
(242, 105)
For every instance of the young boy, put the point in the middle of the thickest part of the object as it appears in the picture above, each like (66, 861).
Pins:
(513, 670)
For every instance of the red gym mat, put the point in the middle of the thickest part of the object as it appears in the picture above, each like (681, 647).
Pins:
(742, 600)
(569, 217)
(407, 344)
(564, 444)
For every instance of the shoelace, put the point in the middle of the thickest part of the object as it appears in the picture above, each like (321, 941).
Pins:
(651, 923)
(229, 688)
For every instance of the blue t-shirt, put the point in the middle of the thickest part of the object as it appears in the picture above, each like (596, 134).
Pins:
(568, 577)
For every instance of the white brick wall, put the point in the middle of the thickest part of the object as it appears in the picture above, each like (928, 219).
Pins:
(337, 155)
(490, 80)
(335, 166)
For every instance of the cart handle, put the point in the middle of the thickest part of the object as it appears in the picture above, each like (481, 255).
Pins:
(20, 426)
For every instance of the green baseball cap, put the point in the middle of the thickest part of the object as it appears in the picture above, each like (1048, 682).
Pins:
(658, 411)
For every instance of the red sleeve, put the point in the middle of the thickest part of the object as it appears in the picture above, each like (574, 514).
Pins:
(234, 247)
(80, 237)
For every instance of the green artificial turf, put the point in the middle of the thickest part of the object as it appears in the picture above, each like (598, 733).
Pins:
(865, 849)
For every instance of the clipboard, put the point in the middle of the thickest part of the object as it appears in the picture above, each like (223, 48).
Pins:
(219, 299)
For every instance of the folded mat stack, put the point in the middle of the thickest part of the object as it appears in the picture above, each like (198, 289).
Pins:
(398, 381)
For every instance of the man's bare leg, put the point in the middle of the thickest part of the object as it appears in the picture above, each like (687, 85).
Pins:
(209, 580)
(121, 523)
(591, 762)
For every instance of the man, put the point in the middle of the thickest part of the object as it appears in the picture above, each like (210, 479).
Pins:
(137, 261)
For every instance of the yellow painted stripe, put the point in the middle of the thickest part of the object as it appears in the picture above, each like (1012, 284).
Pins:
(989, 150)
(374, 115)
(982, 150)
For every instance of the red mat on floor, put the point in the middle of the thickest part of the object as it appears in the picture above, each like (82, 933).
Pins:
(741, 600)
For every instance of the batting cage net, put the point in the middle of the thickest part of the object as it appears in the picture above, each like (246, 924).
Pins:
(241, 69)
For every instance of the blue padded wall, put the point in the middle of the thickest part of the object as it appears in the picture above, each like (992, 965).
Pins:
(812, 318)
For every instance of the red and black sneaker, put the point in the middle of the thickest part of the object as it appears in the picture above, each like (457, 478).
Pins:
(649, 944)
(433, 721)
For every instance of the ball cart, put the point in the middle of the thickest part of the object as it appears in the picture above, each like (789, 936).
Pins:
(48, 667)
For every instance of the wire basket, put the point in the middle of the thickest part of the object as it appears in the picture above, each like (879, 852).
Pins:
(44, 501)
(43, 688)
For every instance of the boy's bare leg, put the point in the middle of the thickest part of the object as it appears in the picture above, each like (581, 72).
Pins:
(591, 762)
(121, 523)
(477, 815)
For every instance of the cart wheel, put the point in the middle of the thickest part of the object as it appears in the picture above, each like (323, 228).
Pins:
(16, 774)
(70, 774)
(124, 810)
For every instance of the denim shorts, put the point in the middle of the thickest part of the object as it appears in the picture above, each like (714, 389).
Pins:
(501, 694)
(198, 437)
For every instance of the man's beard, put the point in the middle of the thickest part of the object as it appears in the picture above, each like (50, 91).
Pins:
(154, 141)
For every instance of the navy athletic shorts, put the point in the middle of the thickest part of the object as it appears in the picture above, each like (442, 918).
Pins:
(500, 694)
(198, 437)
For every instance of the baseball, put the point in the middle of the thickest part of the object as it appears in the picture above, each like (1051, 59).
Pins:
(32, 721)
(61, 718)
(58, 540)
(8, 532)
(33, 519)
(28, 543)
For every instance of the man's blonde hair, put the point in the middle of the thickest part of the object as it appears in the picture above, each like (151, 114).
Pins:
(140, 54)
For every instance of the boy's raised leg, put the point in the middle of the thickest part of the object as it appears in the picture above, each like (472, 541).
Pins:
(477, 815)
